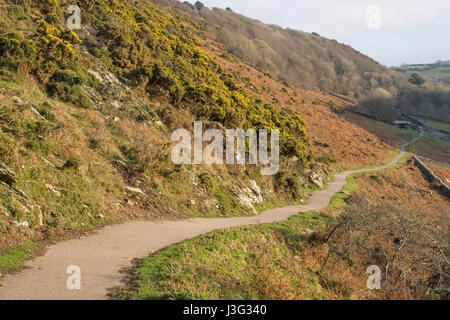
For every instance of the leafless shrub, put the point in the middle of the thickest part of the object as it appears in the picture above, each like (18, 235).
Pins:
(412, 251)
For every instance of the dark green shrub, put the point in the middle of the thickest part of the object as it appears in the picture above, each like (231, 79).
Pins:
(284, 179)
(94, 143)
(72, 163)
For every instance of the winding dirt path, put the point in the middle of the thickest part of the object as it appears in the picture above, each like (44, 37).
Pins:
(102, 255)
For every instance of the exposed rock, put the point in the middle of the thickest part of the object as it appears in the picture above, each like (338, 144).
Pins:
(257, 191)
(6, 175)
(47, 162)
(116, 105)
(18, 101)
(36, 113)
(317, 179)
(135, 190)
(247, 202)
(114, 94)
(95, 97)
(110, 78)
(53, 189)
(301, 180)
(24, 224)
(116, 119)
(96, 75)
(247, 197)
(193, 177)
(192, 202)
(22, 194)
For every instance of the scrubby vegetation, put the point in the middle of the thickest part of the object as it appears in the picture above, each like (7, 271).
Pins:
(242, 263)
(87, 114)
(151, 48)
(313, 61)
(85, 123)
(316, 255)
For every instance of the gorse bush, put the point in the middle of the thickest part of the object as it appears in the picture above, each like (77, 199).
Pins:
(49, 54)
(151, 48)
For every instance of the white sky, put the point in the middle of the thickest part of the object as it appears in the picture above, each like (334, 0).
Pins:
(412, 31)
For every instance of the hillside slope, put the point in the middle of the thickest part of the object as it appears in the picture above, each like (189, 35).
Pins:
(86, 118)
(312, 61)
(290, 55)
(317, 255)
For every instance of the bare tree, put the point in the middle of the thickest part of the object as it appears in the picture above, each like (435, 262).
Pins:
(412, 251)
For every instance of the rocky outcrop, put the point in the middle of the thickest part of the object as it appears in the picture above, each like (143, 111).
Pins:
(135, 190)
(114, 94)
(6, 175)
(18, 101)
(247, 197)
(53, 190)
(23, 203)
(317, 179)
(256, 191)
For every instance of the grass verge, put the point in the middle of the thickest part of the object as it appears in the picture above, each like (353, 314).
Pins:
(13, 259)
(338, 201)
(238, 263)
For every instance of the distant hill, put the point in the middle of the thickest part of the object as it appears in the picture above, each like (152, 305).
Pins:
(439, 71)
(298, 57)
(315, 62)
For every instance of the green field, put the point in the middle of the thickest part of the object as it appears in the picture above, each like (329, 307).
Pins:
(439, 71)
(435, 124)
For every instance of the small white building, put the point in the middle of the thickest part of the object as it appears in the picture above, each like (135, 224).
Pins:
(402, 124)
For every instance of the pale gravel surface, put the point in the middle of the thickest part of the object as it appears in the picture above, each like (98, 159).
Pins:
(102, 255)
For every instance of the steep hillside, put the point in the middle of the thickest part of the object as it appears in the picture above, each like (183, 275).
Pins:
(306, 59)
(341, 142)
(86, 119)
(312, 61)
